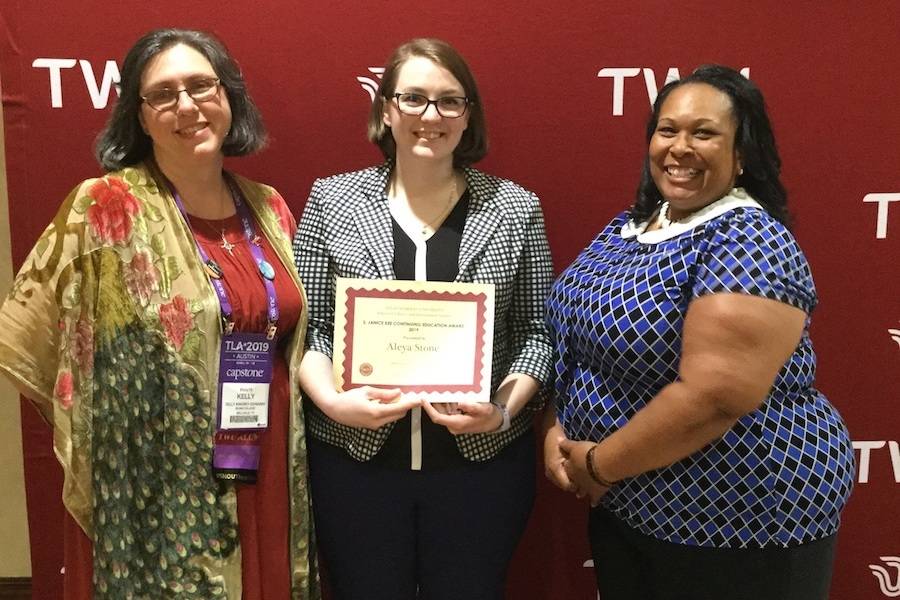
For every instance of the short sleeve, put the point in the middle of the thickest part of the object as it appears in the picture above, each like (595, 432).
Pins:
(749, 252)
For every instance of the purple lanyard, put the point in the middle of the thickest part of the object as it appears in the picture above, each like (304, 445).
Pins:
(265, 269)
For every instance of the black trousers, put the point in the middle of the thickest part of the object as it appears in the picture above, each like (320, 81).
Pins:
(630, 566)
(395, 534)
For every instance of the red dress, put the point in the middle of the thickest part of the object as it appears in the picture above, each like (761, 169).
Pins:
(263, 508)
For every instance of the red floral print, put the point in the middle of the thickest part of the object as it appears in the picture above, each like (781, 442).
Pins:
(63, 389)
(83, 345)
(142, 277)
(176, 319)
(112, 211)
(285, 219)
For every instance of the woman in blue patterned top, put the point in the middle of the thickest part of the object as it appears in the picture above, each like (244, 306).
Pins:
(684, 371)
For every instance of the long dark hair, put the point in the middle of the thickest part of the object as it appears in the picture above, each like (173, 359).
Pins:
(754, 141)
(123, 143)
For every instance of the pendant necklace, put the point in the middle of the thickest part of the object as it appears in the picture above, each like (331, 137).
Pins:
(428, 228)
(226, 244)
(212, 267)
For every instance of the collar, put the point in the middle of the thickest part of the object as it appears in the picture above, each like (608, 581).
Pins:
(736, 198)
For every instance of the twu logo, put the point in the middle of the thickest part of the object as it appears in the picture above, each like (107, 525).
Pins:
(369, 84)
(890, 588)
(895, 335)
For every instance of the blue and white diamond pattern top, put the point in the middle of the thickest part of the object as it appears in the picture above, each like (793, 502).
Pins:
(783, 473)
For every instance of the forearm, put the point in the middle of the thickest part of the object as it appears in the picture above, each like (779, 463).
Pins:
(516, 390)
(315, 379)
(733, 348)
(673, 425)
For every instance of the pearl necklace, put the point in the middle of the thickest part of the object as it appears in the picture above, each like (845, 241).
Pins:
(664, 220)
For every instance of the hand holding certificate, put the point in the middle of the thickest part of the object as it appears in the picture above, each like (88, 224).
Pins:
(433, 340)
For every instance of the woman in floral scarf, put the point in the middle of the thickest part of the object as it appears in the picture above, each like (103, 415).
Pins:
(114, 328)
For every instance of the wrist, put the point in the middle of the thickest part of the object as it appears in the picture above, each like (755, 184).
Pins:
(592, 469)
(504, 418)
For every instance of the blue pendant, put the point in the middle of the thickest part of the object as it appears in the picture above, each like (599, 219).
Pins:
(267, 270)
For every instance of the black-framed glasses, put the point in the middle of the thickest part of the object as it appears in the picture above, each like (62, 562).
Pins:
(449, 107)
(199, 90)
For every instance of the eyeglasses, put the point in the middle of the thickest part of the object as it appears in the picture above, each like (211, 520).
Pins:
(199, 90)
(449, 107)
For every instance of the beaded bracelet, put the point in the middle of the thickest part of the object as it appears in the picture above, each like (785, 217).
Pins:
(589, 459)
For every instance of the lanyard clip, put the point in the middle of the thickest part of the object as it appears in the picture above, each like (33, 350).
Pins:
(227, 326)
(270, 331)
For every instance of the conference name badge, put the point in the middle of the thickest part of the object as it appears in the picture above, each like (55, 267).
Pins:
(245, 376)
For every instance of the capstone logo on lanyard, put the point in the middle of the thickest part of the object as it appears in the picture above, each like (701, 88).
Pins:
(246, 363)
(245, 376)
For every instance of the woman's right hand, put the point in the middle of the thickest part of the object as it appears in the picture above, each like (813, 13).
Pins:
(553, 457)
(367, 407)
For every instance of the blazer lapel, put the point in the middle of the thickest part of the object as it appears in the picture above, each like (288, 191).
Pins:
(481, 222)
(373, 221)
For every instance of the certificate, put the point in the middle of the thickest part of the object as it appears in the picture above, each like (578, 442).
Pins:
(431, 339)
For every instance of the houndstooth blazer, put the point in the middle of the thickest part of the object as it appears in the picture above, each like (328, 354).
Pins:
(345, 231)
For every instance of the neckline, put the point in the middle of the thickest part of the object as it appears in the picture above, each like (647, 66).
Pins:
(736, 198)
(415, 233)
(210, 230)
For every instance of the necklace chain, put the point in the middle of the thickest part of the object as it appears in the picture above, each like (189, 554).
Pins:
(427, 228)
(226, 244)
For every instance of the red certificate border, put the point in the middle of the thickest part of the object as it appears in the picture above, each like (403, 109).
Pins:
(479, 299)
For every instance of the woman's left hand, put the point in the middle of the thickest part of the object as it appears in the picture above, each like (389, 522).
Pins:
(469, 417)
(575, 464)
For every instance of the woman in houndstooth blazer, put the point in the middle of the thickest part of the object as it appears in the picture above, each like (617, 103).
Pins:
(409, 507)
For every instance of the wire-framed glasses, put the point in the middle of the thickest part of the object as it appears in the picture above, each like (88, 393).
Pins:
(199, 90)
(449, 107)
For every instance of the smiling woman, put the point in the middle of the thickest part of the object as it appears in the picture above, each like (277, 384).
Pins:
(115, 328)
(686, 410)
(185, 127)
(693, 158)
(439, 502)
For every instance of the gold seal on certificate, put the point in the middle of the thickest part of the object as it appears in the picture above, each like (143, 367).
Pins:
(429, 338)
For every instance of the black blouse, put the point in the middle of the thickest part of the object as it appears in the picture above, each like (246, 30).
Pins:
(439, 449)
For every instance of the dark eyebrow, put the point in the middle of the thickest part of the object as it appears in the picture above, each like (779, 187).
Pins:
(694, 123)
(442, 94)
(172, 83)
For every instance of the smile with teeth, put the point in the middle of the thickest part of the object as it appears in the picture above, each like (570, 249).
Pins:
(429, 135)
(189, 131)
(681, 172)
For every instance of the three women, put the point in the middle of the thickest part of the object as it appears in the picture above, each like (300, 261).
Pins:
(670, 330)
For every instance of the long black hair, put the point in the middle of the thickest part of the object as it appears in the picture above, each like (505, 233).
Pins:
(123, 143)
(754, 141)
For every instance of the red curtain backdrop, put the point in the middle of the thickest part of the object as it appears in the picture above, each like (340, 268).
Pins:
(566, 89)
